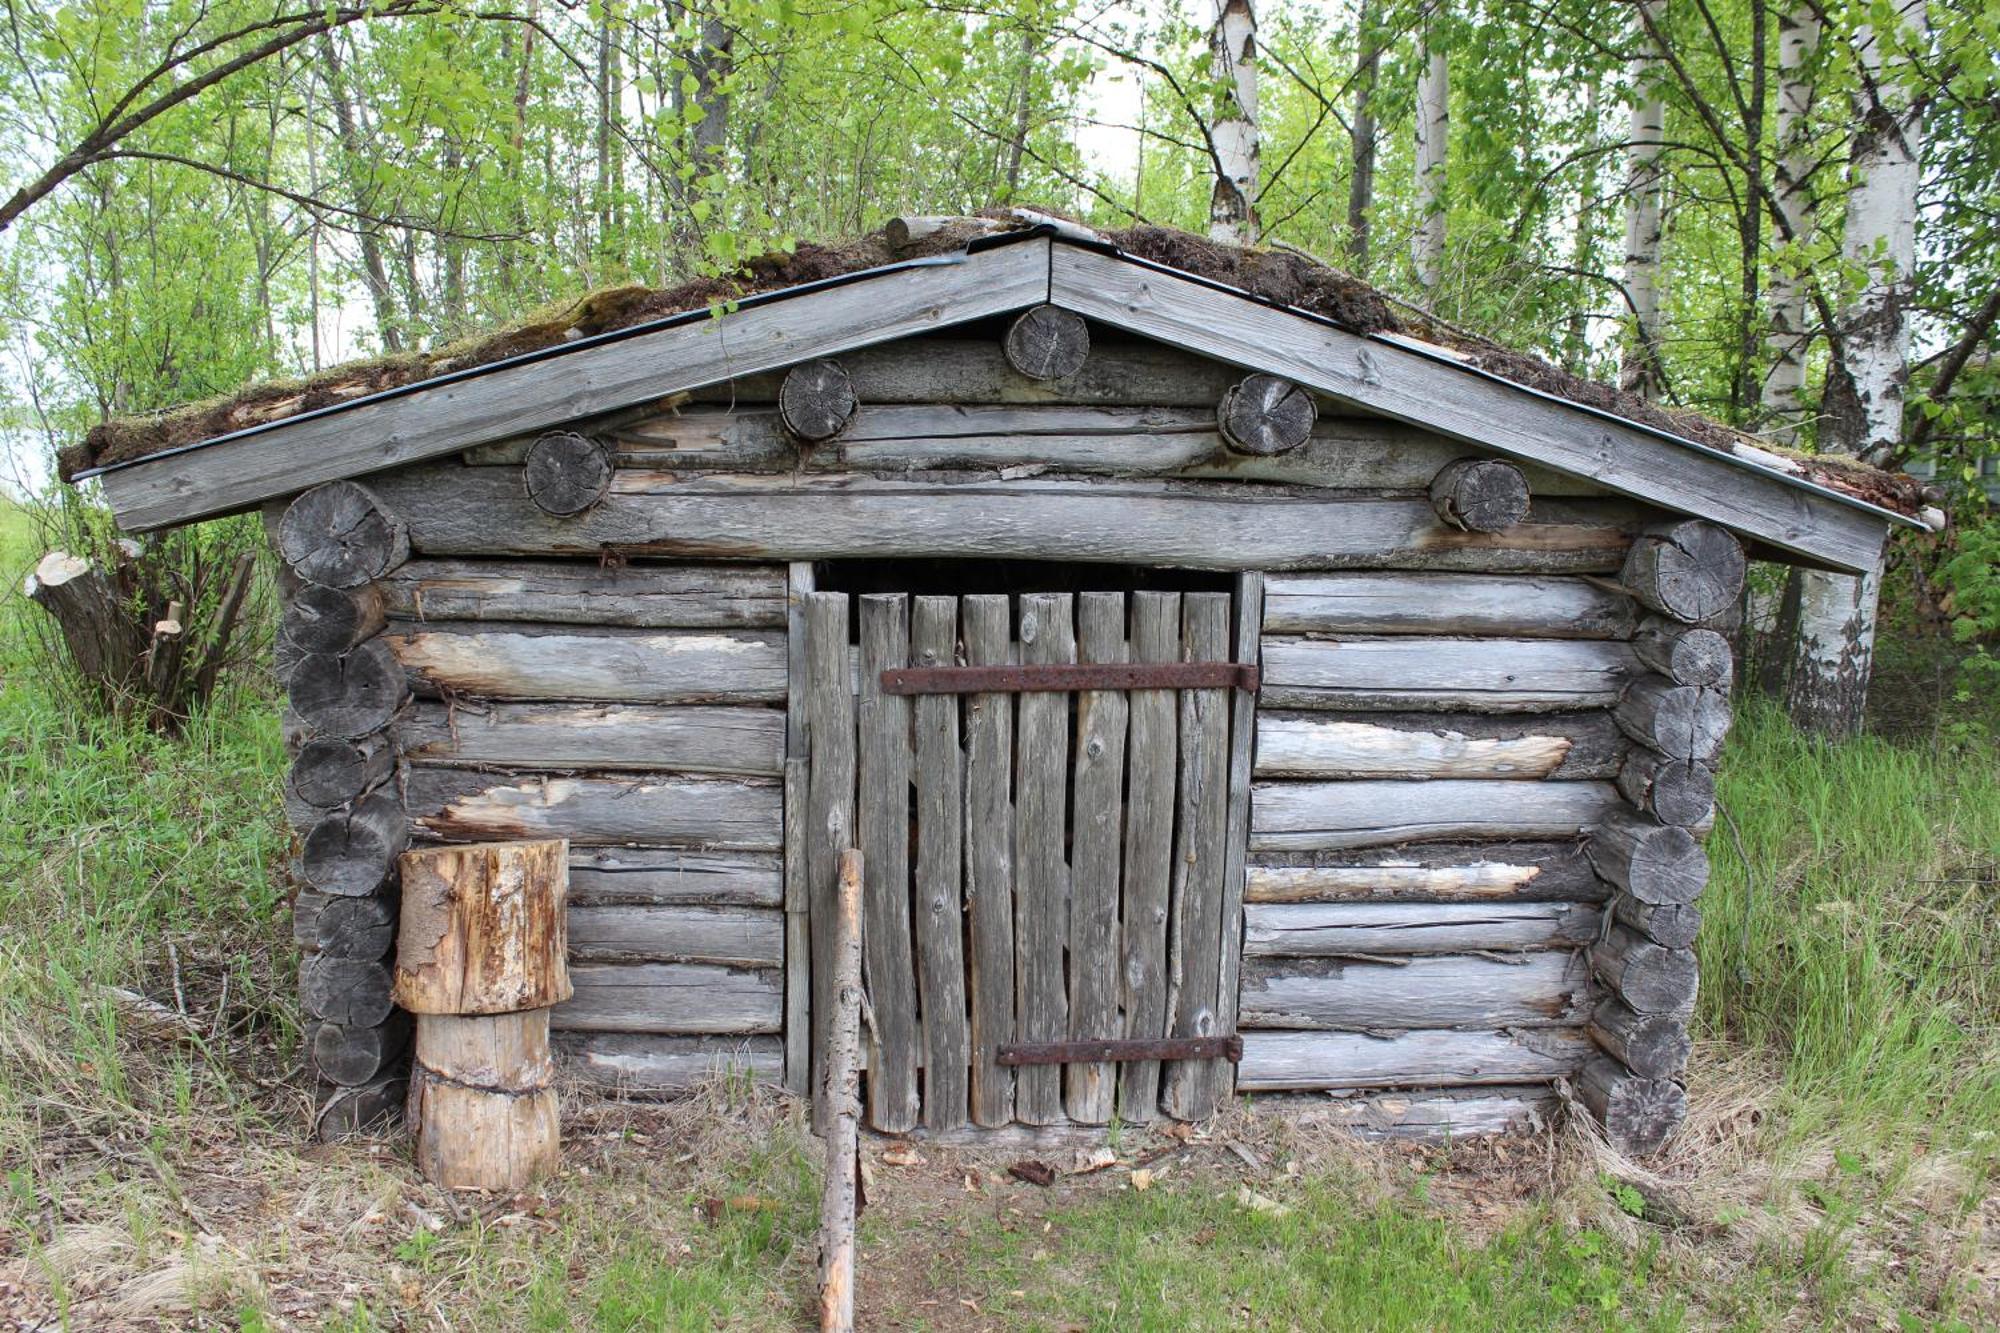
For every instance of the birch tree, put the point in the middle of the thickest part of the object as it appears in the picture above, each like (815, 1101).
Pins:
(1792, 202)
(1232, 48)
(1645, 190)
(1361, 139)
(1433, 135)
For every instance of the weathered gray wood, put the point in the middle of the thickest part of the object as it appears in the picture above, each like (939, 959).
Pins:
(338, 534)
(1303, 816)
(1450, 1113)
(1247, 649)
(307, 904)
(1686, 656)
(1639, 1115)
(460, 804)
(567, 473)
(470, 511)
(372, 1108)
(331, 771)
(352, 850)
(1673, 791)
(1153, 750)
(1690, 570)
(939, 780)
(319, 619)
(800, 582)
(640, 595)
(350, 695)
(882, 797)
(1674, 925)
(1046, 343)
(692, 999)
(1650, 1045)
(1434, 390)
(1655, 863)
(830, 827)
(1480, 494)
(738, 936)
(513, 399)
(1047, 633)
(1322, 930)
(816, 400)
(1548, 989)
(1679, 721)
(628, 666)
(1479, 872)
(637, 1063)
(352, 1056)
(1190, 1088)
(1647, 976)
(989, 859)
(1435, 745)
(1096, 837)
(1475, 675)
(1514, 605)
(1423, 1059)
(351, 991)
(1264, 415)
(652, 737)
(356, 928)
(674, 875)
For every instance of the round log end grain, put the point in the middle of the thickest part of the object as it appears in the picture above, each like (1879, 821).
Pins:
(352, 1056)
(1654, 862)
(330, 771)
(353, 850)
(320, 619)
(1673, 791)
(1265, 415)
(1639, 1115)
(349, 694)
(1686, 656)
(1650, 1045)
(1047, 343)
(350, 991)
(1480, 495)
(339, 535)
(567, 473)
(1692, 571)
(356, 928)
(368, 1109)
(817, 400)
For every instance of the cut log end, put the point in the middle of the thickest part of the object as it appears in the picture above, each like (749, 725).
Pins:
(353, 1056)
(1480, 495)
(1047, 343)
(1650, 1045)
(817, 400)
(333, 620)
(331, 771)
(1655, 863)
(1680, 792)
(1683, 655)
(339, 535)
(567, 473)
(1639, 1114)
(348, 695)
(1264, 415)
(1692, 571)
(371, 1108)
(354, 849)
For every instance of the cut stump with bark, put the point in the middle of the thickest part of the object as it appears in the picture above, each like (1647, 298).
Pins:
(483, 928)
(483, 1101)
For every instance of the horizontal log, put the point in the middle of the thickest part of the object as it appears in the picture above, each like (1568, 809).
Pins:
(465, 805)
(1448, 1113)
(653, 737)
(694, 999)
(640, 595)
(1639, 1114)
(1650, 1045)
(1302, 816)
(1546, 989)
(1521, 606)
(1279, 1060)
(351, 1056)
(339, 535)
(307, 904)
(1686, 656)
(353, 992)
(640, 1063)
(1480, 872)
(352, 850)
(1480, 494)
(1655, 863)
(737, 936)
(1475, 675)
(1322, 930)
(674, 875)
(1650, 978)
(1673, 791)
(332, 620)
(1584, 744)
(468, 511)
(1679, 721)
(634, 666)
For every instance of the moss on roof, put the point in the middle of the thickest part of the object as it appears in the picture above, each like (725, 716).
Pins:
(1282, 276)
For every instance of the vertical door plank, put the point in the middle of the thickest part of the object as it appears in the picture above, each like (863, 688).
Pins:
(1097, 829)
(1242, 739)
(989, 858)
(883, 796)
(1149, 838)
(829, 822)
(798, 896)
(1195, 962)
(940, 921)
(1041, 869)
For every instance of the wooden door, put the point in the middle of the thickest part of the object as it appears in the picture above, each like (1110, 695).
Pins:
(1048, 857)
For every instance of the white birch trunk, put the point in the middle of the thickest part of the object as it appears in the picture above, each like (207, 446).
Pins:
(1644, 192)
(1798, 39)
(1232, 45)
(1433, 134)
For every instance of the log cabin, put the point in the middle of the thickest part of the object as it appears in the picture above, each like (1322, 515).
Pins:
(1234, 687)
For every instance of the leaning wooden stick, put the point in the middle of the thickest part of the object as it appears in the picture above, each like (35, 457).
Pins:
(843, 1134)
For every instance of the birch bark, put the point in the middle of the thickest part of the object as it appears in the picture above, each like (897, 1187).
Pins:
(1798, 43)
(1232, 45)
(1644, 196)
(1433, 134)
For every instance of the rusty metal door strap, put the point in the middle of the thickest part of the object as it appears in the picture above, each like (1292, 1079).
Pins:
(1228, 1048)
(1070, 676)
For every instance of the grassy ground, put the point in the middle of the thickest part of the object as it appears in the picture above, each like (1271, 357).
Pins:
(1836, 1171)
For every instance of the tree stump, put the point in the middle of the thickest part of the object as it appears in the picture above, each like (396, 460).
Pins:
(483, 1101)
(483, 928)
(1047, 343)
(1265, 415)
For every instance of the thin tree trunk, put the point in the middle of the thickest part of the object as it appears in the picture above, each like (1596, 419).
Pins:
(1361, 136)
(711, 64)
(374, 269)
(1743, 392)
(1644, 195)
(1798, 42)
(1433, 147)
(1583, 253)
(1024, 85)
(1232, 47)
